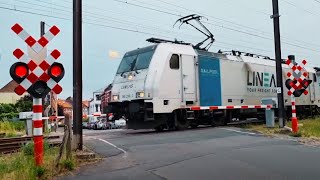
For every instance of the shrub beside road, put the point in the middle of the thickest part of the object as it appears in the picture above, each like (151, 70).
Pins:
(308, 128)
(21, 165)
(12, 128)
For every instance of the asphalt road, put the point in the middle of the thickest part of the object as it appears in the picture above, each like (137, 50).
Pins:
(200, 154)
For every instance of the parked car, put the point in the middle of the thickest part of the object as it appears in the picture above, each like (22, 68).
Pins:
(84, 125)
(111, 125)
(100, 125)
(120, 123)
(90, 125)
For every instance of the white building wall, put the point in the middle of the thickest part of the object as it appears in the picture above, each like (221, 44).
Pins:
(95, 105)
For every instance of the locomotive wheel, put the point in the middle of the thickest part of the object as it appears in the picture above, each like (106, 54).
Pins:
(159, 128)
(181, 121)
(194, 126)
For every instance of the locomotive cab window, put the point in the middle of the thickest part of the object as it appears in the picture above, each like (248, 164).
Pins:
(314, 77)
(174, 61)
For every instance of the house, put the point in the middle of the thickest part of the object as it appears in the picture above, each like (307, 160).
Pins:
(65, 107)
(106, 98)
(95, 104)
(7, 94)
(85, 107)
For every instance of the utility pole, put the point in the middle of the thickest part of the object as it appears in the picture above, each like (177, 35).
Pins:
(42, 25)
(277, 42)
(77, 74)
(42, 32)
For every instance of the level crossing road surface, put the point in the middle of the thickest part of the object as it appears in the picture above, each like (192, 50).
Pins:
(202, 154)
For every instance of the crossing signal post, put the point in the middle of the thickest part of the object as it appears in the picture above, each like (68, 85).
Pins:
(37, 78)
(297, 85)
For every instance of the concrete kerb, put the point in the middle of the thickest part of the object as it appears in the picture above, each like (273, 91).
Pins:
(86, 154)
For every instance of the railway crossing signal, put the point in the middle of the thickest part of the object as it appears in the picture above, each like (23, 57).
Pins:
(37, 78)
(297, 85)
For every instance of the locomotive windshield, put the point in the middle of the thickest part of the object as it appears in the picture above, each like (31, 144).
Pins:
(136, 60)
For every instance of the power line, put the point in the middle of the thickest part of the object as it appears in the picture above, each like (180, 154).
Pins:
(222, 26)
(234, 23)
(29, 12)
(305, 10)
(118, 28)
(200, 13)
(99, 16)
(143, 32)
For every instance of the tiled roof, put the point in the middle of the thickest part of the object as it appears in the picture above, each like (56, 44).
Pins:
(85, 103)
(64, 104)
(9, 87)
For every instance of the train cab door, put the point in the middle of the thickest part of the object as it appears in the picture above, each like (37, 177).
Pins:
(312, 88)
(188, 79)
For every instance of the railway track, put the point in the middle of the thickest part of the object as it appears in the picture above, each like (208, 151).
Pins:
(11, 145)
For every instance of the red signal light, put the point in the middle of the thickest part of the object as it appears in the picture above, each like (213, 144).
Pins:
(21, 71)
(56, 71)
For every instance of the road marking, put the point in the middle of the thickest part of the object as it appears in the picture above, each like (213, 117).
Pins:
(124, 152)
(238, 131)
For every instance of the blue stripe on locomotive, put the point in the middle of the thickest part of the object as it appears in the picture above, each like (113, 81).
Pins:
(209, 81)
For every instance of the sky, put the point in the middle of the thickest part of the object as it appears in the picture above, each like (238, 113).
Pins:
(113, 27)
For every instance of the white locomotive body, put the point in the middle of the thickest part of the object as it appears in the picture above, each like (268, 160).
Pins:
(155, 86)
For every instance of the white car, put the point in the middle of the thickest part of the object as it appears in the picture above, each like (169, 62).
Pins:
(120, 123)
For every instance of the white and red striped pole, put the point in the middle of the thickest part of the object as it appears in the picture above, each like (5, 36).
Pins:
(37, 130)
(294, 119)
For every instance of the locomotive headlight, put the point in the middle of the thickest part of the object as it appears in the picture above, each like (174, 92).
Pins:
(130, 77)
(115, 97)
(140, 94)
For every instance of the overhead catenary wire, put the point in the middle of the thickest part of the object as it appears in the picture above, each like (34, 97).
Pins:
(222, 26)
(95, 24)
(131, 30)
(305, 10)
(231, 22)
(114, 27)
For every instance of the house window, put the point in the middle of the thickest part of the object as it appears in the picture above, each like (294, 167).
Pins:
(98, 97)
(97, 108)
(174, 61)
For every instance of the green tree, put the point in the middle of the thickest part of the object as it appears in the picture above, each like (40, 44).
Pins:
(7, 108)
(24, 104)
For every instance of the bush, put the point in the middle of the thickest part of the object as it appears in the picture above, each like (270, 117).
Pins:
(18, 125)
(299, 134)
(39, 171)
(68, 164)
(8, 116)
(28, 149)
(11, 127)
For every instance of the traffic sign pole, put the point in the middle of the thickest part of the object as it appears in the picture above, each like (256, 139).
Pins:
(297, 84)
(294, 119)
(37, 75)
(38, 130)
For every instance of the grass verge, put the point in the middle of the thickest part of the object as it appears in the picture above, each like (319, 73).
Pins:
(307, 128)
(12, 128)
(21, 165)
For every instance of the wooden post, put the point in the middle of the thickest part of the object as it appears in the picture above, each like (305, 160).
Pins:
(68, 146)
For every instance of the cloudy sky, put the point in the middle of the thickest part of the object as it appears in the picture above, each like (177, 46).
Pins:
(112, 27)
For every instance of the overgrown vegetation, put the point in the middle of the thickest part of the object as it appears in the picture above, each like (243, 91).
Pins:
(308, 128)
(22, 105)
(12, 128)
(8, 112)
(21, 165)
